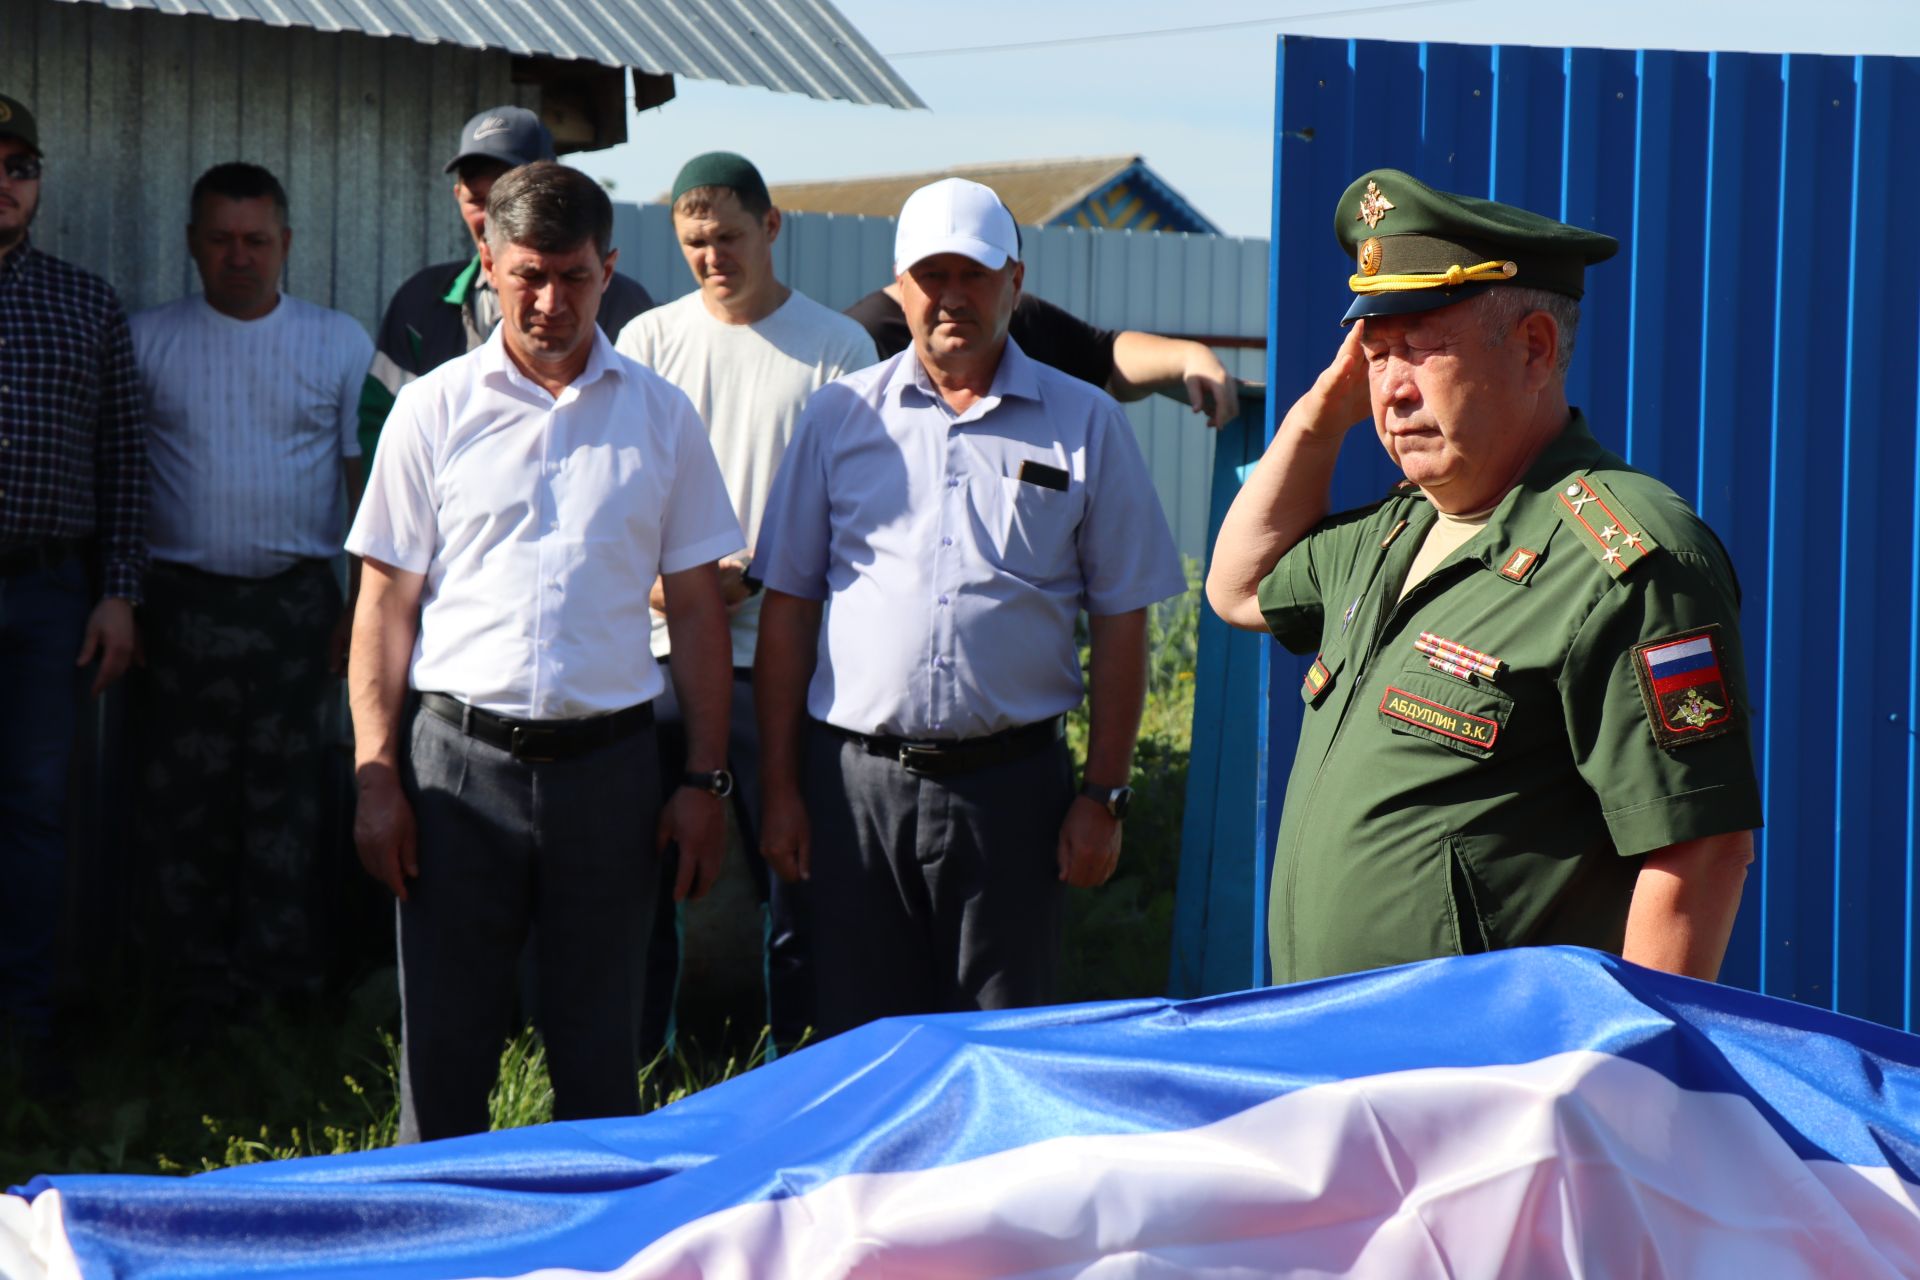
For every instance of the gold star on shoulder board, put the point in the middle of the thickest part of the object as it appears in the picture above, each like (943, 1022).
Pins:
(1373, 206)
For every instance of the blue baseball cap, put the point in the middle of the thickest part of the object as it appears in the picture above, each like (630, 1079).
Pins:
(511, 135)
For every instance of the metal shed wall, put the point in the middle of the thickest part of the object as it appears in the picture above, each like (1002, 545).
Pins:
(1756, 345)
(1213, 286)
(134, 106)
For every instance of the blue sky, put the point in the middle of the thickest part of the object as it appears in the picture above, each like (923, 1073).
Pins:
(1197, 104)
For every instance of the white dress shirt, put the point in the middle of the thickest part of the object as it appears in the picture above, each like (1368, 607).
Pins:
(955, 551)
(247, 423)
(540, 523)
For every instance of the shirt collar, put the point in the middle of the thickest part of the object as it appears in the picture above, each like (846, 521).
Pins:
(1015, 376)
(1526, 519)
(496, 365)
(463, 283)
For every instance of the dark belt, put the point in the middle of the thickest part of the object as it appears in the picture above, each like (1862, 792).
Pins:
(49, 553)
(539, 741)
(919, 755)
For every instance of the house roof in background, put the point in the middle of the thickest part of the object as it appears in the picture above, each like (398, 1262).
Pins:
(1035, 191)
(1092, 191)
(794, 46)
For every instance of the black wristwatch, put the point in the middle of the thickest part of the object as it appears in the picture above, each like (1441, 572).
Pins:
(1113, 799)
(719, 782)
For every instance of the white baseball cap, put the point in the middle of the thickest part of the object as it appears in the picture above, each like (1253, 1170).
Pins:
(955, 216)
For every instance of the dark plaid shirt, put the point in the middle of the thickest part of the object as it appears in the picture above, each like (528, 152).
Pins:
(73, 429)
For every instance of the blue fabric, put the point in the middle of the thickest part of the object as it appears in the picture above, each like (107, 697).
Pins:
(915, 1093)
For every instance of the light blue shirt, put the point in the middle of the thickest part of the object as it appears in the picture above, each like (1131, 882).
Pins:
(951, 583)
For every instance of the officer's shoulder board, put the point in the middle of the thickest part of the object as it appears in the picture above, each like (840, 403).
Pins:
(1602, 524)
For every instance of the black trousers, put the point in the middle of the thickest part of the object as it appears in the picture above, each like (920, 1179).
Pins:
(932, 895)
(564, 848)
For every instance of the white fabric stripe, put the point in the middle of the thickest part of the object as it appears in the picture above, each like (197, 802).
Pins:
(1672, 653)
(1579, 1165)
(33, 1240)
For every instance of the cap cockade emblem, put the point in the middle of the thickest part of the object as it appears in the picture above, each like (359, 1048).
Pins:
(1373, 206)
(6, 113)
(1369, 257)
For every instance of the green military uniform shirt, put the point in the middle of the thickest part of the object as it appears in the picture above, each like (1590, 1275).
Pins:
(1479, 761)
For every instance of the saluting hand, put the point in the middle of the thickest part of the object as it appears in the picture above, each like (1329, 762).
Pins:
(1089, 844)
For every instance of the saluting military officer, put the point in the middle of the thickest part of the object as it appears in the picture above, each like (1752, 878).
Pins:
(1527, 719)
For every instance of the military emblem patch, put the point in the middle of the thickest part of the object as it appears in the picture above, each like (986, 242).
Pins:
(1315, 682)
(1684, 688)
(1461, 726)
(1520, 564)
(1373, 206)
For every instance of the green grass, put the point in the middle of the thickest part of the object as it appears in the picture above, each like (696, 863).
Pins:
(324, 1082)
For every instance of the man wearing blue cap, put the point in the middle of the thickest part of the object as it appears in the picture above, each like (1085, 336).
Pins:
(1526, 722)
(937, 526)
(450, 308)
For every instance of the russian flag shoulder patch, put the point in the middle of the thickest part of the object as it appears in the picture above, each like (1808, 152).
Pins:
(1684, 687)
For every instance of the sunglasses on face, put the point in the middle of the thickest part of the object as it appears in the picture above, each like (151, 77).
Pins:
(21, 168)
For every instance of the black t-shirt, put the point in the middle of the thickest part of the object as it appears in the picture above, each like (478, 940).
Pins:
(1046, 332)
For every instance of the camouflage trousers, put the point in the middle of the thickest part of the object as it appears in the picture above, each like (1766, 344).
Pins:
(229, 732)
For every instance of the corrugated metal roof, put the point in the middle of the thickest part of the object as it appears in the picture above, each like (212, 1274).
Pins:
(794, 46)
(1034, 191)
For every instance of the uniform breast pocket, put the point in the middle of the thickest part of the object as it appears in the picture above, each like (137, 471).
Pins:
(1035, 526)
(1471, 719)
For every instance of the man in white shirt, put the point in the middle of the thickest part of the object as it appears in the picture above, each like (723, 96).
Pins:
(748, 351)
(523, 501)
(252, 398)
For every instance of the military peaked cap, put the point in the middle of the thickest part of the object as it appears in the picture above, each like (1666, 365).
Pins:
(1418, 249)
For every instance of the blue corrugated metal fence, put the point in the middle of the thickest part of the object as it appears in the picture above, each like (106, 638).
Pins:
(1756, 345)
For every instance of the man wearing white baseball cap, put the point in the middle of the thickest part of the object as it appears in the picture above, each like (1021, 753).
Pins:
(959, 505)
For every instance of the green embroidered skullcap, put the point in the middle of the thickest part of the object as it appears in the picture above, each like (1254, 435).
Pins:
(1418, 249)
(722, 169)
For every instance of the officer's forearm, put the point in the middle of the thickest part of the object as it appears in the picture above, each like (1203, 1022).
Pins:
(783, 664)
(1684, 902)
(1117, 689)
(1288, 491)
(701, 662)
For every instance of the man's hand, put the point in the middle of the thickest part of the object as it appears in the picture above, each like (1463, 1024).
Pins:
(696, 821)
(1089, 844)
(110, 638)
(338, 642)
(383, 830)
(784, 834)
(1339, 398)
(1287, 492)
(733, 582)
(1211, 390)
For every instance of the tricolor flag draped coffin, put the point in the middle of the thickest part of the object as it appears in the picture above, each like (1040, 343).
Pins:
(1528, 1113)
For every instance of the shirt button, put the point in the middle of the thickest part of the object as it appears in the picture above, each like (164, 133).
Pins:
(946, 542)
(938, 725)
(943, 599)
(953, 482)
